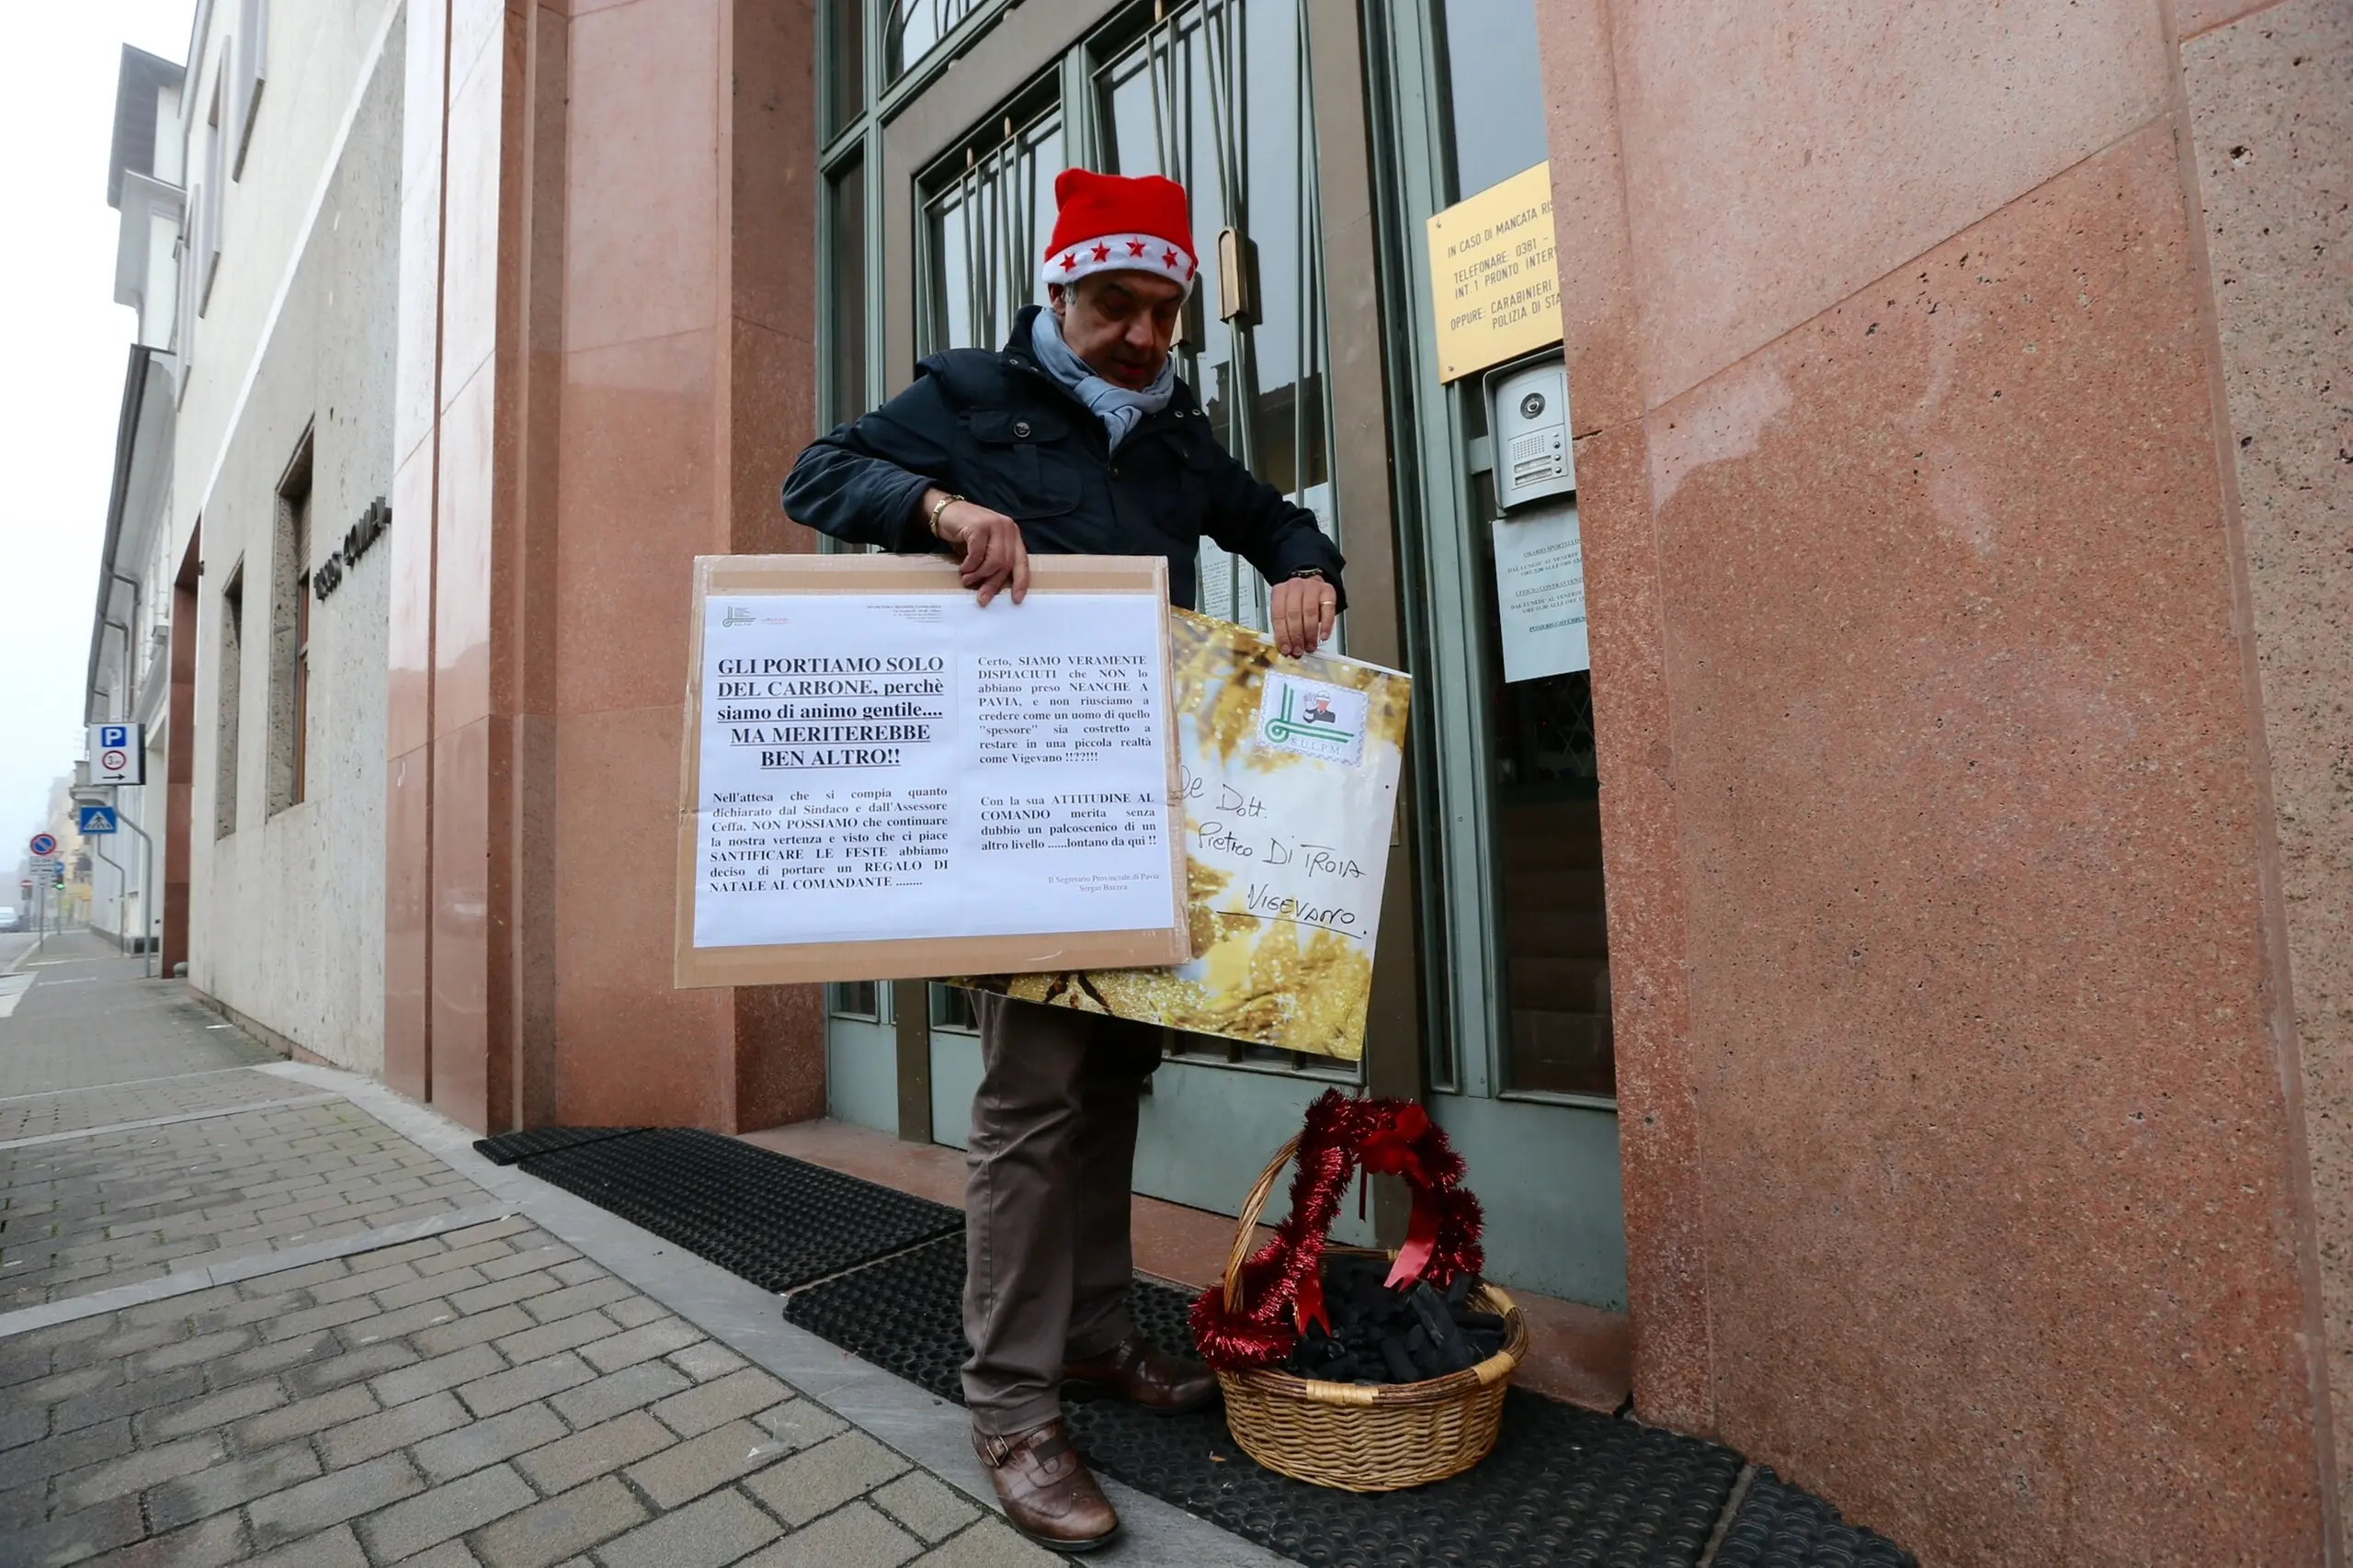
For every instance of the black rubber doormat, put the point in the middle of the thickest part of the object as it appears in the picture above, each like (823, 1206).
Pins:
(509, 1147)
(778, 1221)
(1780, 1527)
(1563, 1485)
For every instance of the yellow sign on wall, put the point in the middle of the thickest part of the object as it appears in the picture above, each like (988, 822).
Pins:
(1495, 274)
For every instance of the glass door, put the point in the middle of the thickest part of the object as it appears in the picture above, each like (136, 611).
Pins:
(1164, 95)
(1217, 97)
(1287, 121)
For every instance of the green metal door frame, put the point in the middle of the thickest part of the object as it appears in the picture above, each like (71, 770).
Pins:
(1556, 1221)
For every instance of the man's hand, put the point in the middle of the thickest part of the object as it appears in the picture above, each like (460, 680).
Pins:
(987, 543)
(1302, 609)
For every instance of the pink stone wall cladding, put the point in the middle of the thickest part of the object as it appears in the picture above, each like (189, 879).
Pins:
(1998, 1159)
(572, 416)
(2194, 18)
(641, 255)
(408, 820)
(631, 1049)
(1781, 153)
(462, 1020)
(663, 437)
(1663, 1181)
(641, 400)
(469, 1018)
(2271, 106)
(1962, 1182)
(407, 890)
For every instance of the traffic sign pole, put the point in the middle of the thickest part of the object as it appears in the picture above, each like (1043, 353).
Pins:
(149, 937)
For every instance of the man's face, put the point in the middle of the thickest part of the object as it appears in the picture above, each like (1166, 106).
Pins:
(1121, 324)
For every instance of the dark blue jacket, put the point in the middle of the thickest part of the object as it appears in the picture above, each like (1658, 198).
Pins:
(997, 429)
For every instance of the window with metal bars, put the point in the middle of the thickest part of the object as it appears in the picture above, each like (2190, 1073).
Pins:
(290, 633)
(228, 703)
(985, 227)
(917, 26)
(1217, 97)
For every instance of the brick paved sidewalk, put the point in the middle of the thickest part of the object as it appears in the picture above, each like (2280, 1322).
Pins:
(487, 1396)
(354, 1367)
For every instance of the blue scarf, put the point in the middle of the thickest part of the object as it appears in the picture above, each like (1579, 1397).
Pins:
(1120, 408)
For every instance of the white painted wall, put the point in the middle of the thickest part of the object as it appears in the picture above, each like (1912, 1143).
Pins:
(321, 55)
(287, 910)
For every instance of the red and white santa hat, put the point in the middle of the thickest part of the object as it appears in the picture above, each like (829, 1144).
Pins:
(1119, 222)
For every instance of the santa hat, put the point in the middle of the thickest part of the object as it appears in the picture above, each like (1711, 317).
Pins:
(1115, 222)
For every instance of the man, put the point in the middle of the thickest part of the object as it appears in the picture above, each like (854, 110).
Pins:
(1077, 438)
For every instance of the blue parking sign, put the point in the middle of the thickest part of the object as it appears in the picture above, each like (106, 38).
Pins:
(118, 755)
(97, 819)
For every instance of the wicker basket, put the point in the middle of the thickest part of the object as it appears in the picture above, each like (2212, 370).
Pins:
(1364, 1437)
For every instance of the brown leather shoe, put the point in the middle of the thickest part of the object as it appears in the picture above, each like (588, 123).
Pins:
(1047, 1493)
(1135, 1371)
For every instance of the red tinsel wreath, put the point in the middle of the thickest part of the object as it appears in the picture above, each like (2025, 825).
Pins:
(1282, 1284)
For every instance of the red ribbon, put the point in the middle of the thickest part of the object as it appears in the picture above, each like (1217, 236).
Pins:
(1390, 1152)
(1421, 1240)
(1307, 1307)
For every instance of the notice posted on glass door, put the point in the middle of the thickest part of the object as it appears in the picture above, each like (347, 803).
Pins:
(914, 765)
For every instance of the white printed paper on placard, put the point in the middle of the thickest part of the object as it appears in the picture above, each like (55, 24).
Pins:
(1540, 594)
(912, 764)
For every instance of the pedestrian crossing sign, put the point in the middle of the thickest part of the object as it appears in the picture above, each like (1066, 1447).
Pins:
(97, 819)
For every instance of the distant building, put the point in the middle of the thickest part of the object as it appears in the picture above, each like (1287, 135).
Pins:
(1906, 976)
(130, 669)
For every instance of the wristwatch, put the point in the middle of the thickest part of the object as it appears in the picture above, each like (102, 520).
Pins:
(931, 518)
(1312, 572)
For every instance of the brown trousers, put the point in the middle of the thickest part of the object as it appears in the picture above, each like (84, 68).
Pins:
(1050, 1161)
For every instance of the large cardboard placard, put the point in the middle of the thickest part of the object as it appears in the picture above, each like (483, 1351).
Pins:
(1289, 790)
(883, 781)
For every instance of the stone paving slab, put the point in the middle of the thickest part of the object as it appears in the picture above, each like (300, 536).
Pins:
(481, 1397)
(114, 1207)
(932, 1433)
(421, 1404)
(71, 1111)
(92, 1019)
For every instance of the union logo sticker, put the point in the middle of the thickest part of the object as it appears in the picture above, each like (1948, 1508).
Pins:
(1312, 719)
